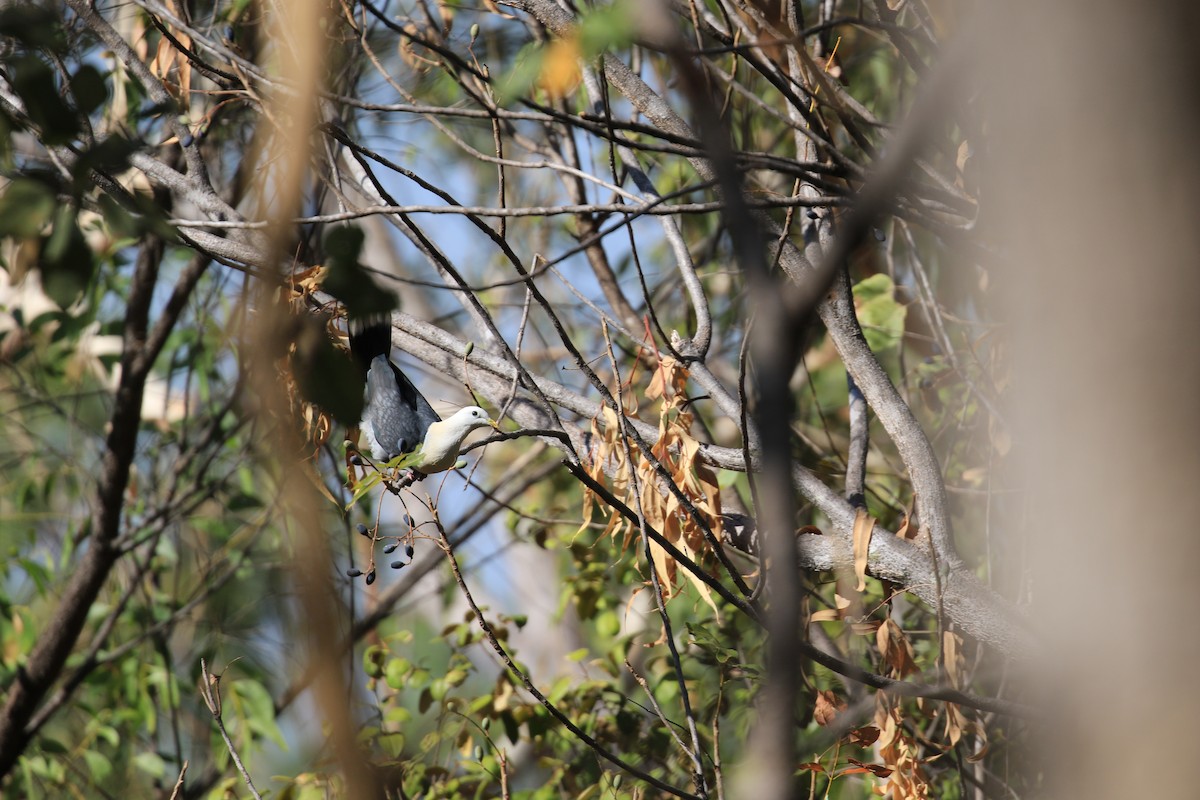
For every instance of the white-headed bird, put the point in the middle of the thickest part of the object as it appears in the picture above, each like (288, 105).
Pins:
(396, 417)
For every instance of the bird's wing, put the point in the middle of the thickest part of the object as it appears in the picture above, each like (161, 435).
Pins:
(397, 413)
(413, 399)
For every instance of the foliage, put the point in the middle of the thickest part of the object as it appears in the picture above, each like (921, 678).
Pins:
(173, 388)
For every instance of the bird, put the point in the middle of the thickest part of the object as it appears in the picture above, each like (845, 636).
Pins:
(396, 417)
(443, 440)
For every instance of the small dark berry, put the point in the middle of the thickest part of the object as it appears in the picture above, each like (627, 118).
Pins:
(370, 577)
(362, 529)
(355, 460)
(408, 551)
(397, 564)
(353, 573)
(407, 521)
(187, 140)
(390, 548)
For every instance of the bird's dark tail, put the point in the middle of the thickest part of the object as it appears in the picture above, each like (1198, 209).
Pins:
(370, 338)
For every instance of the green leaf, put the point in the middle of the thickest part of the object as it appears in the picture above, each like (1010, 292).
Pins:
(151, 763)
(395, 673)
(50, 745)
(88, 88)
(98, 765)
(608, 624)
(527, 66)
(374, 658)
(33, 80)
(25, 208)
(255, 706)
(242, 501)
(110, 155)
(33, 24)
(512, 728)
(881, 317)
(66, 260)
(399, 715)
(326, 376)
(349, 281)
(391, 743)
(606, 27)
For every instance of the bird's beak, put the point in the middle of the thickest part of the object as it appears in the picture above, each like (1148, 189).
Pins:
(493, 423)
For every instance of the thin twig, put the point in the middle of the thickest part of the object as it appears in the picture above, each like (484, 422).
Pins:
(532, 689)
(210, 690)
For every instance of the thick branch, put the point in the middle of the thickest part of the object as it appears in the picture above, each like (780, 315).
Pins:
(56, 641)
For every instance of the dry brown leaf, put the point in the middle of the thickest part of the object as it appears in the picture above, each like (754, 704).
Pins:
(827, 707)
(864, 523)
(895, 649)
(898, 751)
(664, 565)
(141, 48)
(502, 697)
(878, 770)
(320, 486)
(670, 373)
(864, 736)
(983, 751)
(952, 657)
(840, 604)
(307, 281)
(185, 70)
(701, 586)
(955, 723)
(164, 57)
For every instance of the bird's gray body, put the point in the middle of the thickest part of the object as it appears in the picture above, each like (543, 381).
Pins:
(395, 415)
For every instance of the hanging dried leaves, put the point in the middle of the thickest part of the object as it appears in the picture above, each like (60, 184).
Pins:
(169, 62)
(678, 452)
(900, 753)
(895, 649)
(957, 722)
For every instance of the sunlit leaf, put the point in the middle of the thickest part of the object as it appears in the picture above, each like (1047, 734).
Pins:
(828, 706)
(881, 317)
(864, 524)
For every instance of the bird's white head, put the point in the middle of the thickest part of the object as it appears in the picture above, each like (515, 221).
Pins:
(443, 440)
(470, 418)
